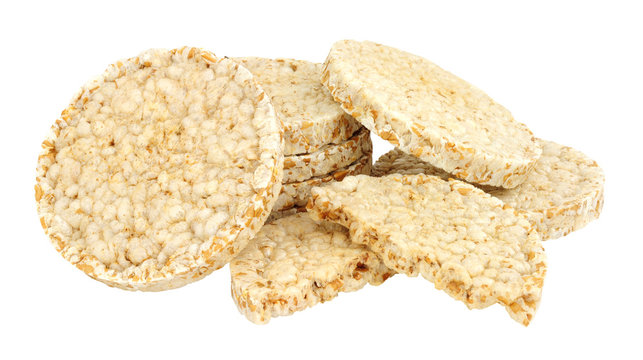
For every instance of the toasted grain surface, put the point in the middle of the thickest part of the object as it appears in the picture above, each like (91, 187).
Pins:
(328, 158)
(276, 214)
(160, 170)
(429, 112)
(397, 161)
(296, 194)
(563, 192)
(466, 242)
(311, 118)
(294, 263)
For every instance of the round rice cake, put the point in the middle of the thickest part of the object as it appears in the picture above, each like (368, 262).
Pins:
(468, 243)
(310, 116)
(563, 192)
(430, 113)
(296, 194)
(294, 263)
(328, 158)
(160, 170)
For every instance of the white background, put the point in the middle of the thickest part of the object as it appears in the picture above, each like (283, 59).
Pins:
(571, 71)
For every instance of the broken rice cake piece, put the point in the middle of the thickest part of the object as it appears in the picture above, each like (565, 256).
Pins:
(563, 192)
(468, 243)
(294, 263)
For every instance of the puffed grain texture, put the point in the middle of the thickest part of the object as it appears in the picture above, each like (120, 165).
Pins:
(328, 158)
(160, 170)
(468, 243)
(296, 194)
(430, 113)
(563, 192)
(294, 263)
(310, 116)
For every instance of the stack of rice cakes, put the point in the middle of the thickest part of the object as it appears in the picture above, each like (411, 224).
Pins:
(322, 143)
(465, 199)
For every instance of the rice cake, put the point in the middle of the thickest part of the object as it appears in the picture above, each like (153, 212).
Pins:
(430, 113)
(160, 170)
(328, 158)
(310, 116)
(468, 243)
(296, 194)
(294, 263)
(563, 192)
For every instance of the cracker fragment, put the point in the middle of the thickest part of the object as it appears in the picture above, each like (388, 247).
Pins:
(328, 158)
(294, 263)
(310, 116)
(430, 113)
(468, 243)
(563, 192)
(160, 170)
(296, 194)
